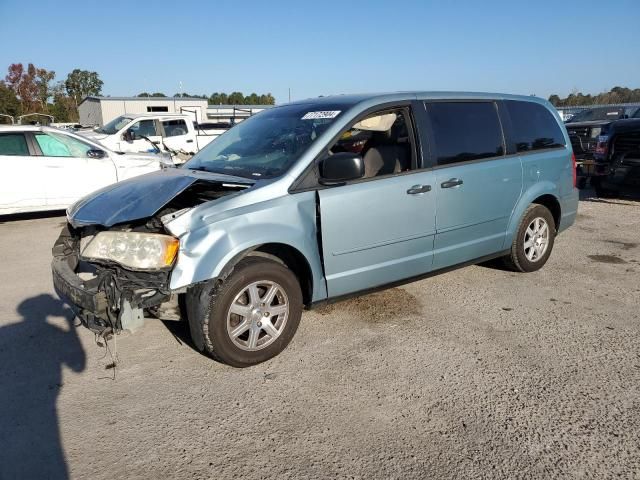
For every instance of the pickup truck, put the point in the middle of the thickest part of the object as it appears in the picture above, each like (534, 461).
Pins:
(617, 158)
(585, 129)
(173, 132)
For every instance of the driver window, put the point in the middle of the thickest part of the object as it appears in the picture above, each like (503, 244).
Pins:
(382, 140)
(145, 128)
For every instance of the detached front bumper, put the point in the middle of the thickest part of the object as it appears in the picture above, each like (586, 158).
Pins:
(88, 303)
(108, 298)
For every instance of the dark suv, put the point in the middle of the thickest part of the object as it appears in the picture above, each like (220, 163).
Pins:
(606, 143)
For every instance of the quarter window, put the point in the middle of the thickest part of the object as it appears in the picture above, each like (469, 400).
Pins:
(534, 127)
(465, 131)
(13, 144)
(173, 128)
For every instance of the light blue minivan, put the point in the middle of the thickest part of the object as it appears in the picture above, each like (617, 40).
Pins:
(317, 200)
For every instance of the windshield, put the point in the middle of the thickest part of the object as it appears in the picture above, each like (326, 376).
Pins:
(597, 114)
(114, 125)
(267, 144)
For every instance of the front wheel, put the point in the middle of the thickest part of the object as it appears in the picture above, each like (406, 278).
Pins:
(249, 317)
(533, 241)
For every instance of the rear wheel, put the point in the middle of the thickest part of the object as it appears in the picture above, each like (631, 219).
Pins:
(249, 317)
(533, 242)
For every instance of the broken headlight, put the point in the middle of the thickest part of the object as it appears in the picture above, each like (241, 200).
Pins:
(140, 251)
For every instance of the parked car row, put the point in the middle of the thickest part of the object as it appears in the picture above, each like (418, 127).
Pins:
(606, 142)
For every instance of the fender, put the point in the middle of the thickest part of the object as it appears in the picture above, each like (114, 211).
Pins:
(206, 251)
(544, 187)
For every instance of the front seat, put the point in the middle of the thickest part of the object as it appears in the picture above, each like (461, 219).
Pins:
(383, 155)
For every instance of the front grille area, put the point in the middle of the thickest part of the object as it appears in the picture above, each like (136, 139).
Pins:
(628, 142)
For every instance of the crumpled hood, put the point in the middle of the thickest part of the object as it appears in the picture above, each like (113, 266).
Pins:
(139, 197)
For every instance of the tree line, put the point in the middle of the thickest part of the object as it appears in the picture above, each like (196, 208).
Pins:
(234, 98)
(31, 89)
(615, 95)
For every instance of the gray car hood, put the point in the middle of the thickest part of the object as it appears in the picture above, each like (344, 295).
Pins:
(140, 197)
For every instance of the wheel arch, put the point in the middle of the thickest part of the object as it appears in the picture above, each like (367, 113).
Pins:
(285, 254)
(542, 193)
(553, 205)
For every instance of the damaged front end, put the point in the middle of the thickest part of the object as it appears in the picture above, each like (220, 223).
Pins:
(113, 260)
(105, 296)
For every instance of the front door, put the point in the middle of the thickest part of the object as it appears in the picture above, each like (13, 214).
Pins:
(142, 128)
(377, 232)
(23, 178)
(379, 229)
(71, 174)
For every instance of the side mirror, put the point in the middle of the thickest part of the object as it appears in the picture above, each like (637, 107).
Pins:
(129, 135)
(341, 167)
(95, 153)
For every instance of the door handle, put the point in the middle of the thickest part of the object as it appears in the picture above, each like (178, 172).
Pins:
(452, 182)
(189, 141)
(417, 189)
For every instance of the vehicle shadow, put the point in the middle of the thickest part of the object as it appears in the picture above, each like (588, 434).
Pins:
(15, 217)
(32, 354)
(589, 195)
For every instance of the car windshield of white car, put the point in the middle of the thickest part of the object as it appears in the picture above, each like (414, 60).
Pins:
(267, 144)
(114, 125)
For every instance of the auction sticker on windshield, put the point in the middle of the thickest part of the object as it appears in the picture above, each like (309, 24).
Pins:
(321, 114)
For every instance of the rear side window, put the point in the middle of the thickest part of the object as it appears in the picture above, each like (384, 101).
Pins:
(465, 131)
(534, 127)
(13, 144)
(173, 128)
(145, 127)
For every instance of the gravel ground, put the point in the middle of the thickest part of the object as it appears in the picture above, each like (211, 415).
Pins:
(478, 373)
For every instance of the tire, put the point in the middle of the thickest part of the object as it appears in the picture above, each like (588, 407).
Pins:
(532, 257)
(229, 320)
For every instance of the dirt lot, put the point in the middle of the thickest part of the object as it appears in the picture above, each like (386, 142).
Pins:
(478, 373)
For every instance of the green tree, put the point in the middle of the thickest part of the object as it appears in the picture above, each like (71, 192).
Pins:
(267, 99)
(43, 80)
(63, 107)
(143, 94)
(236, 98)
(82, 83)
(615, 95)
(9, 103)
(158, 94)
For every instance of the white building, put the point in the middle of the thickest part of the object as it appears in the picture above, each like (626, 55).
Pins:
(101, 110)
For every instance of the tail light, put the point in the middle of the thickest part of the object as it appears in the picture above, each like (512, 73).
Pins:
(602, 145)
(573, 169)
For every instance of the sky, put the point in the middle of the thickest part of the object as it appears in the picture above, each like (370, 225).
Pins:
(330, 47)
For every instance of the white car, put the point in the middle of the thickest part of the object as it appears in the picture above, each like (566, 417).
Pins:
(47, 168)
